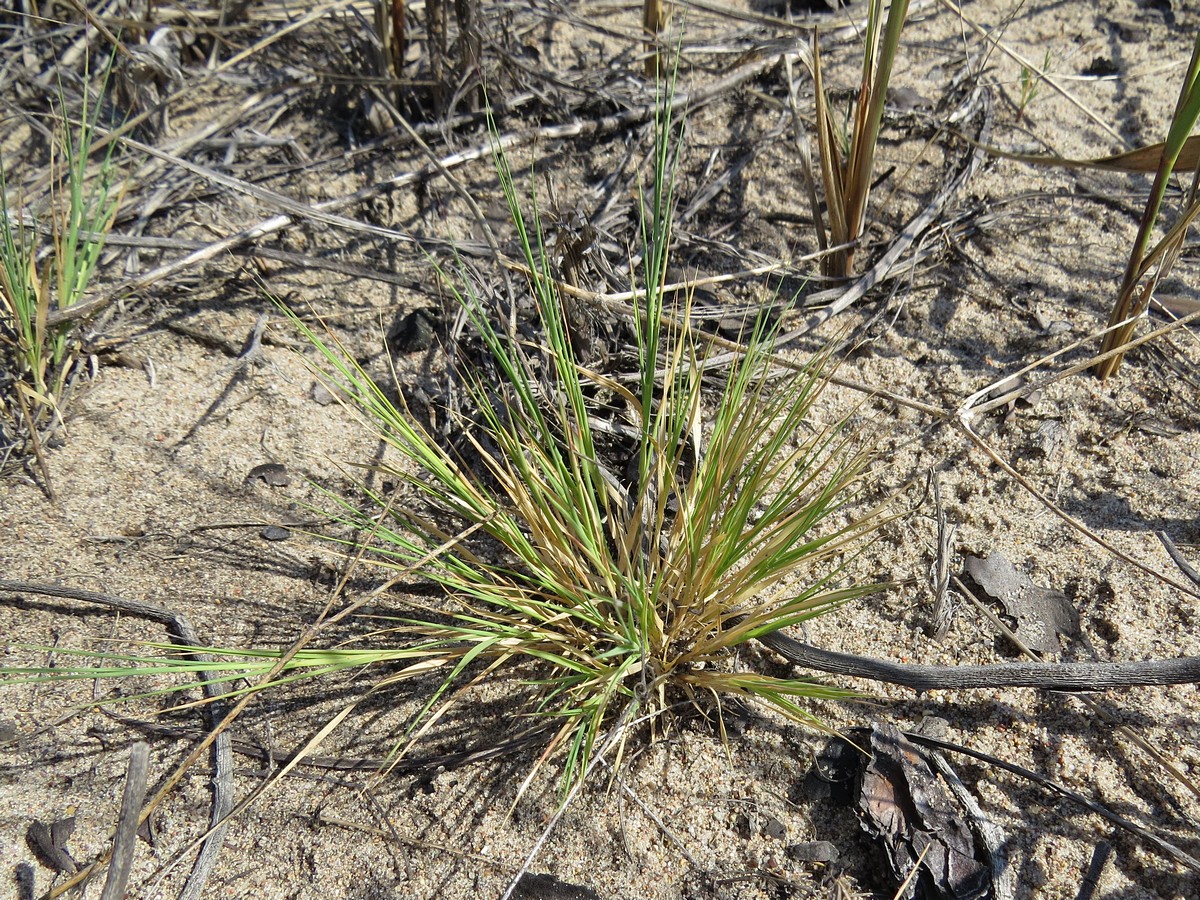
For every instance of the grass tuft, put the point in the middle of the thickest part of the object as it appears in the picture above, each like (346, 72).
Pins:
(38, 279)
(615, 578)
(847, 160)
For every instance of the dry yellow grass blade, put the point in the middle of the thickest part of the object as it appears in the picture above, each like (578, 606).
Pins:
(1140, 159)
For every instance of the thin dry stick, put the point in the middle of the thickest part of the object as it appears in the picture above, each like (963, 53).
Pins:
(125, 840)
(296, 260)
(902, 890)
(657, 820)
(1091, 879)
(454, 760)
(257, 794)
(804, 148)
(1034, 67)
(615, 734)
(34, 439)
(312, 212)
(211, 74)
(969, 410)
(1004, 876)
(965, 426)
(448, 176)
(94, 21)
(324, 817)
(1176, 557)
(939, 569)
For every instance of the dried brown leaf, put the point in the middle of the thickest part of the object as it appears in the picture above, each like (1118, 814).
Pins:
(1041, 613)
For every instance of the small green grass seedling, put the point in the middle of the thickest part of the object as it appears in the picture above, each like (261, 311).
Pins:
(35, 279)
(1031, 84)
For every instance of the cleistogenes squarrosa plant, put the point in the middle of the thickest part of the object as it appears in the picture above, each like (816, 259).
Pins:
(618, 576)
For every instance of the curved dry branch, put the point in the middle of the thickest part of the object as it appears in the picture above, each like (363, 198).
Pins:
(1085, 676)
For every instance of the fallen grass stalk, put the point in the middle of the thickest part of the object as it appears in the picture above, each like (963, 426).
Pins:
(217, 737)
(966, 427)
(125, 839)
(972, 409)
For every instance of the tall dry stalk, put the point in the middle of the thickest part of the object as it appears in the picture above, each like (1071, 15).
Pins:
(390, 26)
(453, 45)
(847, 178)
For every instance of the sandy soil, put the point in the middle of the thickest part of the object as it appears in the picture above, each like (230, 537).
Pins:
(153, 502)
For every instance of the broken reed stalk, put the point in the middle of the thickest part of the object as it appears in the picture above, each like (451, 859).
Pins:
(439, 47)
(389, 26)
(654, 20)
(452, 74)
(1141, 274)
(848, 183)
(470, 52)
